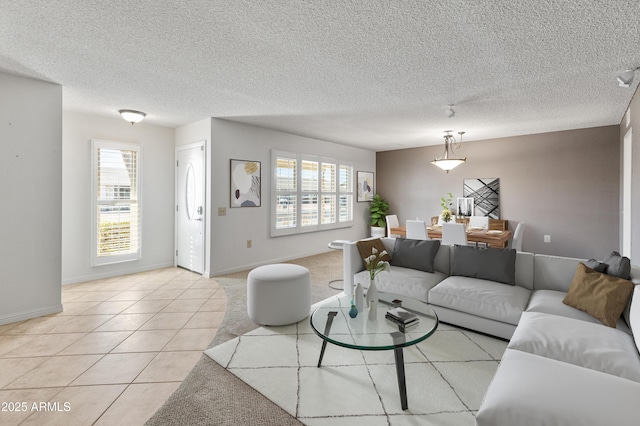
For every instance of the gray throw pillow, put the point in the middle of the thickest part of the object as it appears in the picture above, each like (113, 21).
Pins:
(595, 265)
(618, 266)
(485, 263)
(415, 254)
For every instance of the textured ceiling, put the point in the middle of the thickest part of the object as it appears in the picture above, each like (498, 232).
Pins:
(373, 74)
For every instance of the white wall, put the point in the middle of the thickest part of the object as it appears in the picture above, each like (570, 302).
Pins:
(157, 194)
(229, 233)
(31, 189)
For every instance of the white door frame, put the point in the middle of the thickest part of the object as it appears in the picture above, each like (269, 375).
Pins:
(205, 224)
(627, 166)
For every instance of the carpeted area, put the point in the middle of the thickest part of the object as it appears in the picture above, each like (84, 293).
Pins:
(447, 376)
(210, 395)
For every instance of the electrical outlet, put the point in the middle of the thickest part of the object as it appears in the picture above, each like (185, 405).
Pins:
(547, 238)
(222, 211)
(248, 243)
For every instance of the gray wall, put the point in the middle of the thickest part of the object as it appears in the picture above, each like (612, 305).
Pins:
(31, 194)
(563, 184)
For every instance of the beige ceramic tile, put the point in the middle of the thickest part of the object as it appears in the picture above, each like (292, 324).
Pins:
(76, 308)
(167, 321)
(55, 371)
(96, 343)
(147, 285)
(96, 296)
(146, 307)
(131, 295)
(169, 367)
(205, 320)
(191, 339)
(137, 404)
(45, 345)
(197, 293)
(125, 322)
(146, 341)
(177, 285)
(26, 398)
(184, 305)
(37, 325)
(9, 343)
(12, 368)
(114, 369)
(85, 405)
(163, 294)
(109, 307)
(81, 323)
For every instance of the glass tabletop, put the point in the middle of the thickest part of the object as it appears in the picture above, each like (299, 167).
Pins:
(379, 334)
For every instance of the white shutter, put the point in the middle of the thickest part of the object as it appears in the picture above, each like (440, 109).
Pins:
(116, 200)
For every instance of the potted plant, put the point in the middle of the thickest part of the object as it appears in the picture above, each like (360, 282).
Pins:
(378, 210)
(446, 204)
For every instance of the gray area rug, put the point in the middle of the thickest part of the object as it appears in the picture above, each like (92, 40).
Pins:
(210, 395)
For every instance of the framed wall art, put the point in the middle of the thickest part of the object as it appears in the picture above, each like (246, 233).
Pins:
(245, 183)
(464, 207)
(486, 196)
(365, 186)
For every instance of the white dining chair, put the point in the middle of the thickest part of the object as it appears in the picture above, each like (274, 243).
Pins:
(454, 233)
(392, 222)
(417, 230)
(479, 222)
(516, 241)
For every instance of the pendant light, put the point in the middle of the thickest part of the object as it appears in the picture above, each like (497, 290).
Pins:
(448, 161)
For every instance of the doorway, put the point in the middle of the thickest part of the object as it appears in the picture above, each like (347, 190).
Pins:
(190, 203)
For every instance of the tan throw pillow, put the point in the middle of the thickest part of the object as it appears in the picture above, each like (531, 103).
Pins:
(365, 246)
(602, 296)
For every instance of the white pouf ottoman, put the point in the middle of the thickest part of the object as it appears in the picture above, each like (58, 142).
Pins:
(278, 294)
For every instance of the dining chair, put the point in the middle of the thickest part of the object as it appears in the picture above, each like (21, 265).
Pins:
(516, 241)
(417, 230)
(479, 222)
(392, 222)
(454, 233)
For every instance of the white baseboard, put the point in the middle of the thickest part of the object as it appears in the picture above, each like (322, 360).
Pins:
(266, 262)
(32, 313)
(120, 272)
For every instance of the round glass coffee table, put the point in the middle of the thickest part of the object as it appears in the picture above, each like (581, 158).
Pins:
(331, 321)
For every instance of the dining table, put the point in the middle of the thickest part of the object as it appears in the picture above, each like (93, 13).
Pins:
(491, 237)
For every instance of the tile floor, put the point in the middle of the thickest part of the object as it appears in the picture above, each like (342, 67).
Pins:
(116, 353)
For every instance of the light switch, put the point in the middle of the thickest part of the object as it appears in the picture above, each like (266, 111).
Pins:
(222, 211)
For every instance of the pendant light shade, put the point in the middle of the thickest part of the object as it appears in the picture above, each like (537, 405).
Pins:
(448, 161)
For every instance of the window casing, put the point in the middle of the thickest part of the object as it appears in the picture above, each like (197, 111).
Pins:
(116, 206)
(310, 193)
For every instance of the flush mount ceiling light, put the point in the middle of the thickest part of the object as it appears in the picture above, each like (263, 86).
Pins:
(448, 161)
(626, 78)
(132, 116)
(449, 112)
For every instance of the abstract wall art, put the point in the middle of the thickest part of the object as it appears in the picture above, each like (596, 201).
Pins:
(245, 183)
(486, 196)
(365, 186)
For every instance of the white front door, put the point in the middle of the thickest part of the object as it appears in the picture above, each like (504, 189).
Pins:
(190, 223)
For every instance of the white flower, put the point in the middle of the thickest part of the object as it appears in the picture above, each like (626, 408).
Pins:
(374, 250)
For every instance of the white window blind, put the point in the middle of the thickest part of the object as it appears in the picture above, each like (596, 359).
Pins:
(310, 193)
(116, 202)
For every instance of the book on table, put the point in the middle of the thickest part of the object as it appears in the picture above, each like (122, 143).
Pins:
(401, 316)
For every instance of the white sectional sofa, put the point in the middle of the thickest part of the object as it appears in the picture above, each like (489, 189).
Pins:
(562, 366)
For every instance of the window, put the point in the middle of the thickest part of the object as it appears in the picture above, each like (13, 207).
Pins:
(310, 193)
(116, 202)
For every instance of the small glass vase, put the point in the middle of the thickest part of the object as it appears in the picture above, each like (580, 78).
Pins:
(353, 312)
